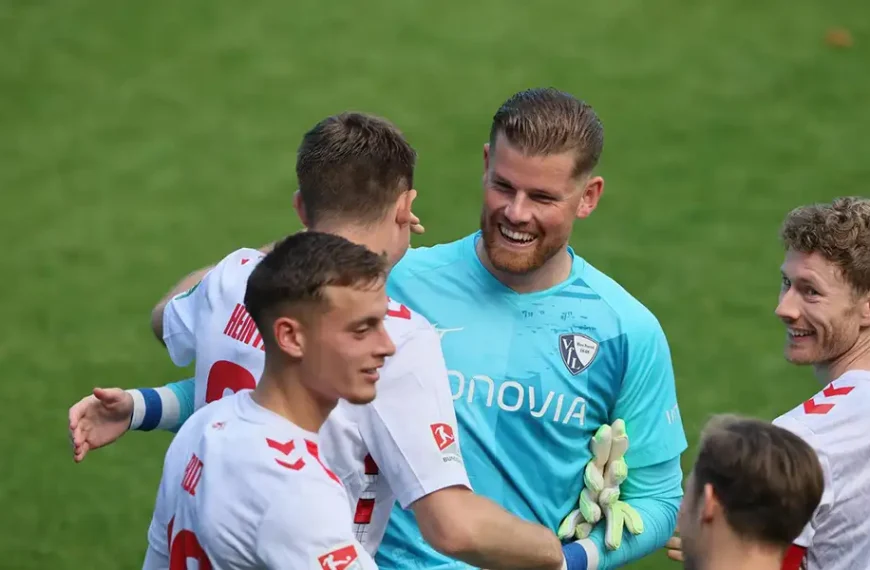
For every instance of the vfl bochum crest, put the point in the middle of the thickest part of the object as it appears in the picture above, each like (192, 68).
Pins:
(578, 351)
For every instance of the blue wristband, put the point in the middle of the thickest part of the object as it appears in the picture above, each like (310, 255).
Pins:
(575, 556)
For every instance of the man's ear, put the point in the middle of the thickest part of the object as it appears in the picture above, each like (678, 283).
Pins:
(592, 191)
(404, 207)
(485, 157)
(299, 206)
(865, 310)
(289, 336)
(711, 507)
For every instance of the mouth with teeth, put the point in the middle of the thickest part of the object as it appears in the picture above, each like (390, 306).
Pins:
(799, 335)
(516, 237)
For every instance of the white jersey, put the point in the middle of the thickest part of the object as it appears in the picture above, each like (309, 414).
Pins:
(402, 446)
(836, 423)
(245, 488)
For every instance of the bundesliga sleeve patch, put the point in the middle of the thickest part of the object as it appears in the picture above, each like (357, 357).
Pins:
(342, 558)
(445, 439)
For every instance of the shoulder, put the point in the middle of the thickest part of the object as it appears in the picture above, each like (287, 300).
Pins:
(635, 320)
(239, 263)
(402, 323)
(432, 258)
(833, 412)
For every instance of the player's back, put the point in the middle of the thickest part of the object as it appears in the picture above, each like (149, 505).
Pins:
(244, 488)
(836, 423)
(210, 323)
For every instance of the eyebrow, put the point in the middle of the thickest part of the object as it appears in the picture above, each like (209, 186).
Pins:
(502, 181)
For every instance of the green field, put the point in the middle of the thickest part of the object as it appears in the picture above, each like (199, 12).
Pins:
(139, 141)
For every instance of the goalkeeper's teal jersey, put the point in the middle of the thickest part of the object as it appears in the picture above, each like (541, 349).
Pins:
(533, 377)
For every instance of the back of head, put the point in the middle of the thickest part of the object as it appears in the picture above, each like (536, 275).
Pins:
(292, 279)
(839, 231)
(353, 166)
(546, 121)
(767, 480)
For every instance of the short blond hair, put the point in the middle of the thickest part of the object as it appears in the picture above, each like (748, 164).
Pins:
(839, 231)
(768, 480)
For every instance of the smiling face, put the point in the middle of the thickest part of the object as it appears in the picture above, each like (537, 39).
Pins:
(823, 314)
(347, 344)
(530, 204)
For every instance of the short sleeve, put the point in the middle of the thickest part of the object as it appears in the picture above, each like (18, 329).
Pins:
(647, 400)
(309, 527)
(805, 539)
(181, 312)
(179, 323)
(410, 427)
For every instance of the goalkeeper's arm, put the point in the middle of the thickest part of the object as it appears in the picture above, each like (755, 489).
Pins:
(166, 408)
(655, 493)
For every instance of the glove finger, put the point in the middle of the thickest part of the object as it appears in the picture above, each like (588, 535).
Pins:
(583, 530)
(616, 473)
(593, 477)
(613, 530)
(589, 507)
(608, 497)
(600, 445)
(569, 525)
(632, 519)
(619, 441)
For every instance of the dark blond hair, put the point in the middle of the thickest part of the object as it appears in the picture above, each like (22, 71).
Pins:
(353, 166)
(839, 231)
(768, 480)
(548, 121)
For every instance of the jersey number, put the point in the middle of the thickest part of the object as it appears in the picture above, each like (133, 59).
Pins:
(186, 546)
(225, 375)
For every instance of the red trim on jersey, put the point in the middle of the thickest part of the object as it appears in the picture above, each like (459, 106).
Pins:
(794, 557)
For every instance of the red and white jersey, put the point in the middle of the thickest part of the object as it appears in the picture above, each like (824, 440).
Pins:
(402, 446)
(836, 423)
(243, 488)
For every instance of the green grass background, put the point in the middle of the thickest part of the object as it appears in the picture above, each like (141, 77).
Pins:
(139, 141)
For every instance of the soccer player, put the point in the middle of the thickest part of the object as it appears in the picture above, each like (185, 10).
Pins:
(752, 489)
(243, 483)
(355, 174)
(543, 348)
(824, 303)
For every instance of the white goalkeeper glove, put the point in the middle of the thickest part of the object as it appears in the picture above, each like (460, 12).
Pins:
(617, 514)
(602, 477)
(579, 522)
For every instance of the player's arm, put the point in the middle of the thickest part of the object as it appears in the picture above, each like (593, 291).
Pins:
(647, 401)
(308, 521)
(410, 430)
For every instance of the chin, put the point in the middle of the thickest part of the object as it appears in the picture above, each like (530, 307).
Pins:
(361, 397)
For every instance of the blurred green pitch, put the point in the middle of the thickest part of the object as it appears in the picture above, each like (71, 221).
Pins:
(139, 141)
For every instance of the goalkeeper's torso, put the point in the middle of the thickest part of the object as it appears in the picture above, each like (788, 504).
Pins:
(533, 377)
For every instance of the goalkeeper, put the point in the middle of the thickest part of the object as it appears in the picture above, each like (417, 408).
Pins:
(543, 349)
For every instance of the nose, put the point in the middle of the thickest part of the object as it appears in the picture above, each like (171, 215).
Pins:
(518, 210)
(787, 309)
(386, 347)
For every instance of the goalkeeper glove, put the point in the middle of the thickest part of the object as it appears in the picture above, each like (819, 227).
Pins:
(580, 521)
(617, 514)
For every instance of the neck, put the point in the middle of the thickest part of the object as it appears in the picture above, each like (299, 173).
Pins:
(741, 555)
(554, 271)
(856, 358)
(372, 237)
(281, 390)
